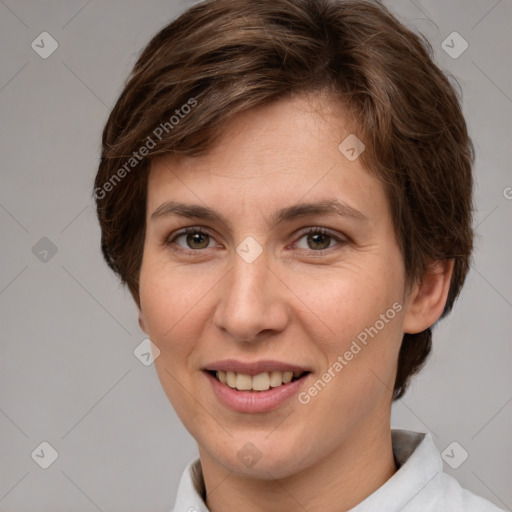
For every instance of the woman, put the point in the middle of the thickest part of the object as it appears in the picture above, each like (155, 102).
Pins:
(286, 189)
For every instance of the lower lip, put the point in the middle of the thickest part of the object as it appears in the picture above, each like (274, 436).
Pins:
(255, 401)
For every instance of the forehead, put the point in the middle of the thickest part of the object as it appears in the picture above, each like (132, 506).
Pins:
(276, 154)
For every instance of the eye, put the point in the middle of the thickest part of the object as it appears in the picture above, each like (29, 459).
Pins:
(319, 239)
(195, 239)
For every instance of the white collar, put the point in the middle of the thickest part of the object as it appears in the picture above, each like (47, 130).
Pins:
(417, 486)
(419, 469)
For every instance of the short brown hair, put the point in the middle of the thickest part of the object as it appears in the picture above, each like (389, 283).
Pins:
(222, 57)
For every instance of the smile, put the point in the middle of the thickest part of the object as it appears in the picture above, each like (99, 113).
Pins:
(261, 382)
(255, 387)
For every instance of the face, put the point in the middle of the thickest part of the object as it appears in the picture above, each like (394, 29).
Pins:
(274, 257)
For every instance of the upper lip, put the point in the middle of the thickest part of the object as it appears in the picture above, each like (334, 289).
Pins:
(255, 367)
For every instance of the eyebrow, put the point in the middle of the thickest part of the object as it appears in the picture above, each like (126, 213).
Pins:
(288, 214)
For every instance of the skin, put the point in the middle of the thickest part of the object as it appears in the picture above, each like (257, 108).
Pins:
(293, 303)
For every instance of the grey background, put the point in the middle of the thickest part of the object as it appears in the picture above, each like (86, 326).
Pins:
(68, 330)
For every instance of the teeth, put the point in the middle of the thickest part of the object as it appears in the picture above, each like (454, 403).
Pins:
(231, 379)
(260, 382)
(243, 382)
(276, 379)
(287, 377)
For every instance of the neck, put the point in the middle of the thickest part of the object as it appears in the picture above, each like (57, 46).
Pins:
(351, 472)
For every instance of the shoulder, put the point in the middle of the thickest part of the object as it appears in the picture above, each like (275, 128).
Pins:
(454, 497)
(427, 487)
(420, 483)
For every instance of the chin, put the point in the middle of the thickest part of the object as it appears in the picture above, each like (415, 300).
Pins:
(260, 455)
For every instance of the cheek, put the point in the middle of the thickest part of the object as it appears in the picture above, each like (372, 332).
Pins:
(345, 305)
(361, 316)
(171, 297)
(170, 303)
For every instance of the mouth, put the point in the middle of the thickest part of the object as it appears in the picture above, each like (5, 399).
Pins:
(257, 386)
(257, 383)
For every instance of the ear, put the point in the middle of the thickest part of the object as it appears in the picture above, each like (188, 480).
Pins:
(428, 297)
(142, 321)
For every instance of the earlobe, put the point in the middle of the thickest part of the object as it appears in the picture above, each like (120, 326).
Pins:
(428, 298)
(142, 322)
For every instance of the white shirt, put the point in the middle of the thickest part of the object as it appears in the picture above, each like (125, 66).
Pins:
(419, 485)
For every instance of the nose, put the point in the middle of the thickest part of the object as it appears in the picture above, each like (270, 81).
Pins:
(252, 302)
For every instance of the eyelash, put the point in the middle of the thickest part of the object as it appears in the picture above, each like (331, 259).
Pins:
(197, 230)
